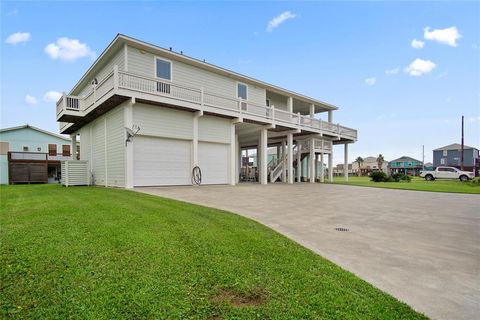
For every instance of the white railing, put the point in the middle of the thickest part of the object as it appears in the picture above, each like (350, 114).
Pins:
(129, 81)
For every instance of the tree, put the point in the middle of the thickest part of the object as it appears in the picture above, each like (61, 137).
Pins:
(380, 161)
(359, 160)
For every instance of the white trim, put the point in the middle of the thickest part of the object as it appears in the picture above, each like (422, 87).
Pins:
(155, 58)
(125, 57)
(37, 129)
(246, 85)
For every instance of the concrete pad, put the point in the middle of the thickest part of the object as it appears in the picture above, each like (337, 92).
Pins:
(421, 247)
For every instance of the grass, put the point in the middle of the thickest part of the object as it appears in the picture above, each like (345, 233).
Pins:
(417, 183)
(99, 253)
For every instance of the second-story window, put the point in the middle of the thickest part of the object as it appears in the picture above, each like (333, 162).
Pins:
(52, 149)
(242, 91)
(163, 69)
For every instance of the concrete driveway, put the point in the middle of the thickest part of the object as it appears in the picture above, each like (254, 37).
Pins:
(421, 247)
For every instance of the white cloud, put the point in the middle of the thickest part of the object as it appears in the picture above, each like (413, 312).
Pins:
(417, 44)
(68, 50)
(18, 37)
(30, 100)
(419, 67)
(278, 20)
(446, 36)
(392, 71)
(52, 96)
(370, 81)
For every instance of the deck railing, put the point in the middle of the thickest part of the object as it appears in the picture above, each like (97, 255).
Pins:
(129, 81)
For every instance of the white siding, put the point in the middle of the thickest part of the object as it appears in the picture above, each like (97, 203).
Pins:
(163, 122)
(115, 148)
(118, 59)
(92, 148)
(188, 75)
(74, 173)
(214, 129)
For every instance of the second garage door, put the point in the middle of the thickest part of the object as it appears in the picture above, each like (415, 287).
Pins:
(161, 161)
(213, 161)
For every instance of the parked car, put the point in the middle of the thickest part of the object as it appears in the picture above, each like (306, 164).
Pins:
(446, 173)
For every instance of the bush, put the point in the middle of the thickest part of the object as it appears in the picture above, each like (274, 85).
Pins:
(397, 177)
(378, 176)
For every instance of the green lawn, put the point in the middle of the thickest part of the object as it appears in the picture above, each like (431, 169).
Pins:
(417, 183)
(96, 253)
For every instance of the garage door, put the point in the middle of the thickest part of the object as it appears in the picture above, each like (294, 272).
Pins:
(161, 162)
(213, 161)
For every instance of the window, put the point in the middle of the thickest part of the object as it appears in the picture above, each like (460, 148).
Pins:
(445, 152)
(66, 150)
(52, 149)
(163, 69)
(442, 161)
(242, 91)
(267, 102)
(39, 149)
(25, 148)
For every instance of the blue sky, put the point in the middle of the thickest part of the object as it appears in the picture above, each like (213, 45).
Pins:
(338, 52)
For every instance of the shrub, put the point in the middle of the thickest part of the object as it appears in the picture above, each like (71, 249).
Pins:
(378, 176)
(397, 177)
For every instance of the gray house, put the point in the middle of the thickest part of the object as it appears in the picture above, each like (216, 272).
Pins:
(451, 156)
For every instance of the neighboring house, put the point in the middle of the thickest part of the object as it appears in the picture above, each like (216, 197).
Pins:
(368, 165)
(338, 170)
(428, 166)
(188, 113)
(406, 165)
(451, 156)
(31, 155)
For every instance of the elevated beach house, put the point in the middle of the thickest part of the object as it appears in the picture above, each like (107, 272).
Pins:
(146, 116)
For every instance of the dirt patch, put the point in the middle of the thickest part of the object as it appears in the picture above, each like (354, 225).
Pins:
(251, 298)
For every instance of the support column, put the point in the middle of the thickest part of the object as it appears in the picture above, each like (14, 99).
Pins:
(128, 116)
(263, 151)
(290, 104)
(322, 169)
(345, 162)
(330, 116)
(284, 153)
(233, 155)
(330, 166)
(312, 110)
(316, 165)
(195, 142)
(312, 160)
(238, 157)
(73, 146)
(299, 161)
(290, 157)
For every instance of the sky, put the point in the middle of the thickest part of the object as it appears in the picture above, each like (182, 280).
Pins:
(402, 73)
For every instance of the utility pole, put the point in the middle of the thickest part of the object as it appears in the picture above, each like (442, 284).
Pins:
(461, 156)
(423, 157)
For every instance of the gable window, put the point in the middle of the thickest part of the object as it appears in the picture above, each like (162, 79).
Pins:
(52, 149)
(445, 152)
(66, 150)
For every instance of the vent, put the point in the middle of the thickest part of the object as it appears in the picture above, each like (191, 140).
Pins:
(342, 229)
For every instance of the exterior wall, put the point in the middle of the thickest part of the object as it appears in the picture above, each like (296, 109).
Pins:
(214, 129)
(102, 143)
(278, 101)
(163, 122)
(33, 139)
(453, 157)
(143, 63)
(118, 59)
(3, 169)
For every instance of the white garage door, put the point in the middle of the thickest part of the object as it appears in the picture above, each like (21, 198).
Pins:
(213, 161)
(161, 162)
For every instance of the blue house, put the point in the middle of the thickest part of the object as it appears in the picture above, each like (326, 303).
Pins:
(406, 165)
(451, 156)
(31, 155)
